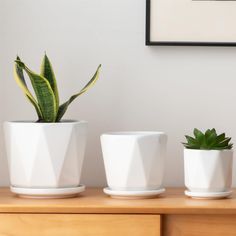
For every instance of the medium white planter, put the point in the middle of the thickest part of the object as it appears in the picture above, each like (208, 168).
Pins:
(134, 160)
(208, 170)
(45, 155)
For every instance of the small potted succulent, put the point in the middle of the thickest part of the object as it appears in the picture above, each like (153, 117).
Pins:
(208, 159)
(45, 157)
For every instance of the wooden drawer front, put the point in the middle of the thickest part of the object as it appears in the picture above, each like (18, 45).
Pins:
(199, 225)
(79, 225)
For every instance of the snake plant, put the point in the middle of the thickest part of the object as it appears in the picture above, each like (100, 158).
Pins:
(46, 100)
(208, 140)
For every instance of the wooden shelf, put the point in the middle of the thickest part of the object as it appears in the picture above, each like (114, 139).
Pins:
(94, 213)
(94, 201)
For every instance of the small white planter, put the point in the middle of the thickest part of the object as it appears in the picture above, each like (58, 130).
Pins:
(208, 170)
(45, 155)
(134, 160)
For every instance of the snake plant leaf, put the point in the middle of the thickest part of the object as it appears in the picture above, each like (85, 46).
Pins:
(40, 117)
(44, 93)
(48, 73)
(62, 108)
(19, 77)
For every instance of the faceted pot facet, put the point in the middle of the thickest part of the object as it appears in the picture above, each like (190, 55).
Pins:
(134, 160)
(45, 155)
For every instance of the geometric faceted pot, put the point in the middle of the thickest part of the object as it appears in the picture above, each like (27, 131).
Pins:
(134, 161)
(208, 171)
(45, 155)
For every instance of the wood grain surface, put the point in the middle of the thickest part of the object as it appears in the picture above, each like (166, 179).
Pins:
(199, 225)
(79, 225)
(93, 200)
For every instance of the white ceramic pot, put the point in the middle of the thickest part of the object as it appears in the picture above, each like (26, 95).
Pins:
(45, 155)
(208, 170)
(134, 160)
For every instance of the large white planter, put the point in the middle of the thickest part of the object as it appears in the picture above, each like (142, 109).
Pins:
(45, 155)
(208, 170)
(134, 160)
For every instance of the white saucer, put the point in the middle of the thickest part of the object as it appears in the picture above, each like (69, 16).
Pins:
(133, 194)
(205, 195)
(47, 192)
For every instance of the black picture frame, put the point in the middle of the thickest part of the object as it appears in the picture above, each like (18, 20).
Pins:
(148, 42)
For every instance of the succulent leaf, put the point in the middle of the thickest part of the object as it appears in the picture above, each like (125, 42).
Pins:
(211, 138)
(198, 135)
(224, 142)
(44, 93)
(220, 137)
(208, 141)
(190, 140)
(48, 73)
(62, 108)
(208, 133)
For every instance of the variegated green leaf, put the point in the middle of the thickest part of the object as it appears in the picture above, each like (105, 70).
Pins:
(64, 106)
(40, 117)
(48, 73)
(44, 93)
(19, 77)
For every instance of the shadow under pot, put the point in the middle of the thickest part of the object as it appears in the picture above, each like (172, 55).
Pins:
(208, 173)
(134, 163)
(45, 159)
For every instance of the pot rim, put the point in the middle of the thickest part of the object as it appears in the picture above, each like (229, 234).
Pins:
(212, 150)
(133, 133)
(30, 122)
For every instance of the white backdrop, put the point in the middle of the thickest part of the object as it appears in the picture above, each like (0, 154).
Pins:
(171, 89)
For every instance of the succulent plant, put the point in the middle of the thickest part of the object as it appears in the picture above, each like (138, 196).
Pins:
(46, 100)
(208, 140)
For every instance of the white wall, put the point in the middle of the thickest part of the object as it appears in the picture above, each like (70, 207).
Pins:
(172, 89)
